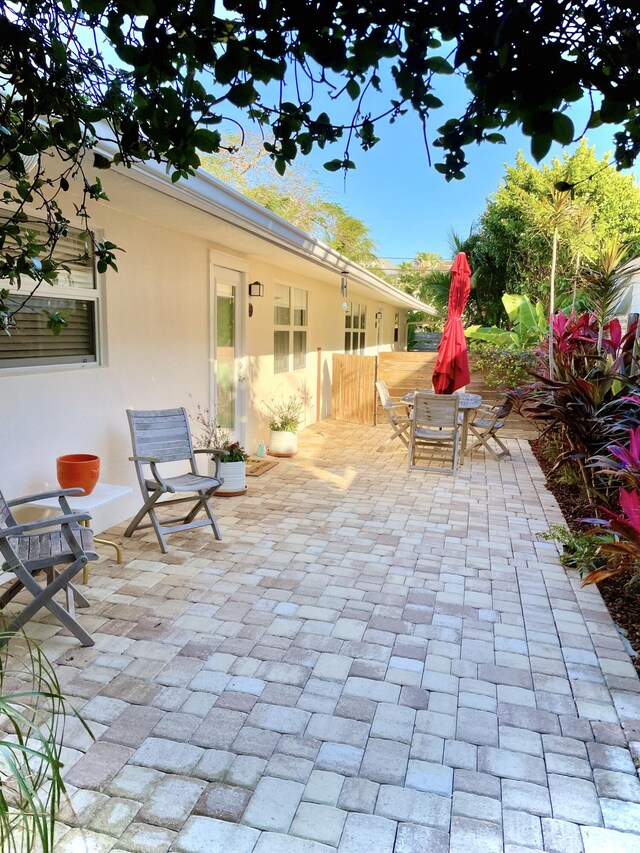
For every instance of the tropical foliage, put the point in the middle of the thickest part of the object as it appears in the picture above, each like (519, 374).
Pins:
(605, 280)
(33, 711)
(297, 196)
(528, 326)
(527, 216)
(148, 81)
(503, 369)
(589, 411)
(580, 551)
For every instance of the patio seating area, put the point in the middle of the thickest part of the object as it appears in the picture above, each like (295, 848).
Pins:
(370, 660)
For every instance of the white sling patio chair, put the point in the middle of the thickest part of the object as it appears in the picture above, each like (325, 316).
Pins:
(485, 425)
(161, 436)
(27, 552)
(434, 426)
(396, 415)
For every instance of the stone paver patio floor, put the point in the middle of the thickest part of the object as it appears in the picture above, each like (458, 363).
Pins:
(370, 661)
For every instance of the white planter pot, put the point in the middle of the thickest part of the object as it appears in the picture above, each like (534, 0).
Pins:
(283, 443)
(234, 476)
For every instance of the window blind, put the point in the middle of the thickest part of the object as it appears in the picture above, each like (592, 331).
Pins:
(33, 343)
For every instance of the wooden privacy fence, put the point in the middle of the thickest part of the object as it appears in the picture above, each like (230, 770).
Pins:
(404, 372)
(353, 388)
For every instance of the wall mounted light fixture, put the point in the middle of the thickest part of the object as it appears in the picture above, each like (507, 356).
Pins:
(344, 281)
(378, 315)
(256, 288)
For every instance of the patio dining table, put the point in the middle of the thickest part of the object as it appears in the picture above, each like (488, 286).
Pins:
(467, 404)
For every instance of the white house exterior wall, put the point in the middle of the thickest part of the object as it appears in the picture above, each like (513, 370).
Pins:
(155, 315)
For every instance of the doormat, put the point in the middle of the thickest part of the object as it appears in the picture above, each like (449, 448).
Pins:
(258, 467)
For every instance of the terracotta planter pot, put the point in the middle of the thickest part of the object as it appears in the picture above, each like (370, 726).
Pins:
(282, 443)
(78, 471)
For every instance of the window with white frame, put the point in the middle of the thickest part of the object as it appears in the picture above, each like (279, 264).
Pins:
(290, 319)
(355, 324)
(74, 295)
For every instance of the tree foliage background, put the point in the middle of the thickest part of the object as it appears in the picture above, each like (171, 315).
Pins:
(156, 79)
(515, 230)
(297, 196)
(510, 248)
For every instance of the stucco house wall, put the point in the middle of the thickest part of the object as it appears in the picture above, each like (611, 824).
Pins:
(155, 328)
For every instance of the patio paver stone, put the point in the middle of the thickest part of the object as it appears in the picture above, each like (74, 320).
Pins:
(370, 661)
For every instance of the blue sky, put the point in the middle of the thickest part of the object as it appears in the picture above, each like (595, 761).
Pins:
(408, 206)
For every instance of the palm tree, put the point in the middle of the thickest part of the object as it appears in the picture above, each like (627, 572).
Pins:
(605, 280)
(553, 212)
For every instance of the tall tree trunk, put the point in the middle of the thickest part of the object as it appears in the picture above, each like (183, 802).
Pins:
(575, 284)
(552, 300)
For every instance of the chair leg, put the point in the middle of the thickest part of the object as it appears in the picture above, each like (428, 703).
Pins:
(202, 498)
(203, 503)
(78, 597)
(212, 518)
(149, 509)
(149, 503)
(397, 433)
(158, 530)
(482, 440)
(455, 456)
(505, 449)
(43, 597)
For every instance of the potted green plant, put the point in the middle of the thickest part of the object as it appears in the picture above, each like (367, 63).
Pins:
(284, 420)
(233, 467)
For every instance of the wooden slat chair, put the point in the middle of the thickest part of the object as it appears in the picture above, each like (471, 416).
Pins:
(164, 436)
(27, 552)
(484, 426)
(434, 425)
(396, 415)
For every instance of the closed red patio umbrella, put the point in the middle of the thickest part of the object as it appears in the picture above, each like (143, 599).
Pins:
(452, 365)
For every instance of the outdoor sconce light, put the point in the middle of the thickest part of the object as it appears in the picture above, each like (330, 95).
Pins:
(343, 283)
(256, 288)
(378, 315)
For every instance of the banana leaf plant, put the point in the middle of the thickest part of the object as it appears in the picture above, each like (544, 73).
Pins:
(528, 324)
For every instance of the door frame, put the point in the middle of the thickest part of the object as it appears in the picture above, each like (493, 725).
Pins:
(240, 266)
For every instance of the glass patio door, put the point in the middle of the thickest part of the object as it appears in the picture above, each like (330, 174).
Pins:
(228, 378)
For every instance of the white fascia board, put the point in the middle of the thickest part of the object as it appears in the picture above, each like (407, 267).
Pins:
(212, 196)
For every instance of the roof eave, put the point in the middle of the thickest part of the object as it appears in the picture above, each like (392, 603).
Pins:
(213, 196)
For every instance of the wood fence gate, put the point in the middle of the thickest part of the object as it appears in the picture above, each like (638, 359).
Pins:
(353, 389)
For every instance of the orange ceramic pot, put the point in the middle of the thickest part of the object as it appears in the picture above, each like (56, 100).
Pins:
(78, 471)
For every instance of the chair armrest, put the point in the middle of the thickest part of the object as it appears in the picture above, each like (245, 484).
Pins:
(60, 521)
(152, 462)
(214, 453)
(27, 499)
